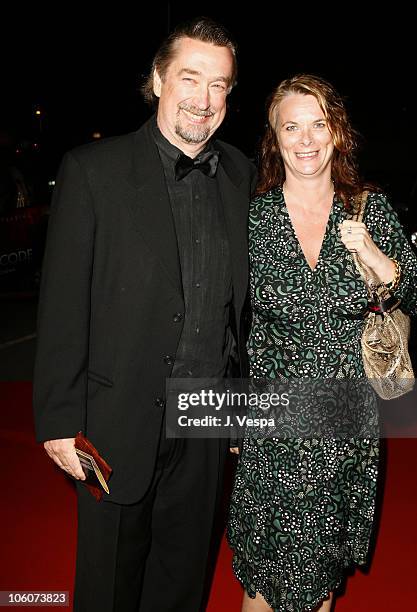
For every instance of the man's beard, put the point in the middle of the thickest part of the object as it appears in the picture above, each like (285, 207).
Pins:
(193, 133)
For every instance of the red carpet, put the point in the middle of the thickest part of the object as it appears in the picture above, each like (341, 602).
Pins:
(37, 515)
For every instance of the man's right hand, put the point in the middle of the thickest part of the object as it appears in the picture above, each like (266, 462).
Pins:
(64, 455)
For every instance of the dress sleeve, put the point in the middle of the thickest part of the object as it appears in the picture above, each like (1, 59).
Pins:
(388, 234)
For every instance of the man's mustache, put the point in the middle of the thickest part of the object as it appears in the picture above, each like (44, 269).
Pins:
(196, 111)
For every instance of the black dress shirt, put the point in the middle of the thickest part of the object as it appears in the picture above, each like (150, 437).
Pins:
(203, 248)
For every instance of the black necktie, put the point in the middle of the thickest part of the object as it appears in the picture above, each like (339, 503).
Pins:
(207, 163)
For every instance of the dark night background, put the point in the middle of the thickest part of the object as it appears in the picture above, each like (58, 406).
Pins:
(84, 71)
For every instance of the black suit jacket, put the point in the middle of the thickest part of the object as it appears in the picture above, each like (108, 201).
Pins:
(111, 304)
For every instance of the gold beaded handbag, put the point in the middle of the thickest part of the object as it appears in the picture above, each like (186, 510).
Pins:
(386, 360)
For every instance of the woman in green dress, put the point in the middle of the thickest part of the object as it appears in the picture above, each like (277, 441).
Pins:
(302, 508)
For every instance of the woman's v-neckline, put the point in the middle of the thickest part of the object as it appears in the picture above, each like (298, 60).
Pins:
(323, 240)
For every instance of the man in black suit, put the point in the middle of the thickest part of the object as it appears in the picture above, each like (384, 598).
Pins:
(145, 277)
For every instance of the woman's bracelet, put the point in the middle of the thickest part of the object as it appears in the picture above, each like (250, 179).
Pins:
(393, 285)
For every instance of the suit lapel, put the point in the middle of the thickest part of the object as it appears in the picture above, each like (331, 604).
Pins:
(235, 205)
(151, 209)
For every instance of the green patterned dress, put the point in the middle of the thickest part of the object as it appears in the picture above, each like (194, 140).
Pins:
(302, 509)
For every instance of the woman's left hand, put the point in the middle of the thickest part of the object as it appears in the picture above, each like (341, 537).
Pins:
(356, 239)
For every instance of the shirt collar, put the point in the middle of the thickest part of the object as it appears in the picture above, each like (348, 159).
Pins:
(170, 150)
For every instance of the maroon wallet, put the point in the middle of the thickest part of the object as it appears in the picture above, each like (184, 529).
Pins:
(96, 469)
